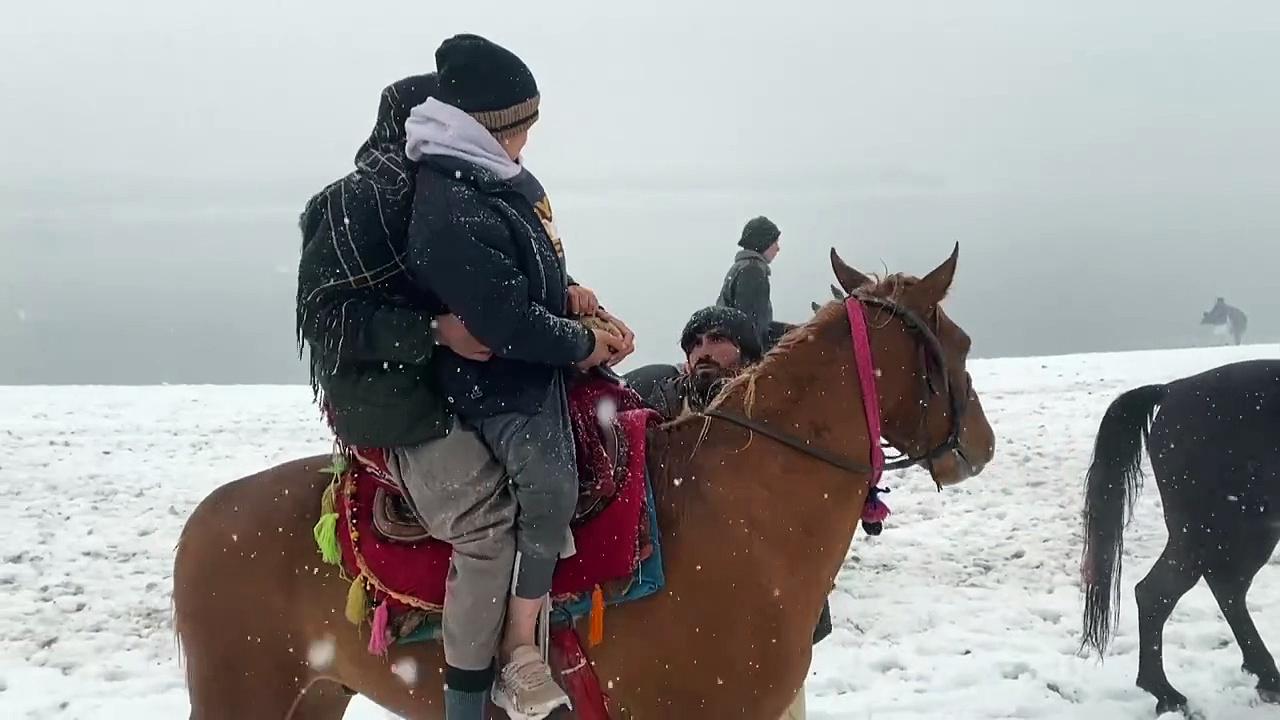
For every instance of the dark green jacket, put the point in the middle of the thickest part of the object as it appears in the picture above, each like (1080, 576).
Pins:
(378, 387)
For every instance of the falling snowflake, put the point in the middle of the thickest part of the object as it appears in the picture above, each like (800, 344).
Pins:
(606, 411)
(320, 654)
(407, 670)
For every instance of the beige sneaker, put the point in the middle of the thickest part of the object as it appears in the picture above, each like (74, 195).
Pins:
(525, 689)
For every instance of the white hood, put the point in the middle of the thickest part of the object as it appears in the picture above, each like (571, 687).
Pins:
(435, 128)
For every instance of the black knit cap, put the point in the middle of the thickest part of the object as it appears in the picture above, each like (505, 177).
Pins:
(733, 323)
(758, 234)
(488, 82)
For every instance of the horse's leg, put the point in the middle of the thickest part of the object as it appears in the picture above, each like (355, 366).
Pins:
(322, 700)
(1229, 576)
(796, 711)
(245, 690)
(242, 598)
(1173, 574)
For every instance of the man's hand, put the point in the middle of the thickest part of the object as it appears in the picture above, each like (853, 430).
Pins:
(606, 345)
(628, 337)
(451, 333)
(582, 302)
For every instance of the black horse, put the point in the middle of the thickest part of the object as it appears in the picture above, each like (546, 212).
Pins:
(1215, 452)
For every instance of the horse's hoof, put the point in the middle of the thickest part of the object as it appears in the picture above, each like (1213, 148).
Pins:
(1173, 705)
(1271, 697)
(1182, 711)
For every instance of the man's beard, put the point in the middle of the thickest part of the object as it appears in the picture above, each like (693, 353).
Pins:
(704, 382)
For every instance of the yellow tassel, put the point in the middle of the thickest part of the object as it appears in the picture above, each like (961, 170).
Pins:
(326, 535)
(595, 635)
(357, 602)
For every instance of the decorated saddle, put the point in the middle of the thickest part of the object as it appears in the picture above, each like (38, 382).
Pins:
(398, 571)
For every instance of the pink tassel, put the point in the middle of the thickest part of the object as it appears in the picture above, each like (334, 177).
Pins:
(874, 510)
(379, 635)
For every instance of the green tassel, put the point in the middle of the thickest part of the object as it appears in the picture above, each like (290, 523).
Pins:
(357, 602)
(326, 534)
(337, 465)
(327, 502)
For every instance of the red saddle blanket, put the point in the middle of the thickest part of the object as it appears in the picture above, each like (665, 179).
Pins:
(397, 576)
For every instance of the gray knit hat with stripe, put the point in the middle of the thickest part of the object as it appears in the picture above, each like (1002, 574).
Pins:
(489, 83)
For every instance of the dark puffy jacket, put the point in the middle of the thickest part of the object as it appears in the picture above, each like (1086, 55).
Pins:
(746, 288)
(477, 242)
(660, 388)
(365, 322)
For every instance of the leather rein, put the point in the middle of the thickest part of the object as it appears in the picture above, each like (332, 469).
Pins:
(931, 352)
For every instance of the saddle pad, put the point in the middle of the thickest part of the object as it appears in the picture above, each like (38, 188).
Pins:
(412, 575)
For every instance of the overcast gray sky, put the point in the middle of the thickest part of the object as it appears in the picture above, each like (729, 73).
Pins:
(1109, 168)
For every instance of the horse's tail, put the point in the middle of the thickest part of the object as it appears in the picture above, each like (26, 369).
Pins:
(1112, 486)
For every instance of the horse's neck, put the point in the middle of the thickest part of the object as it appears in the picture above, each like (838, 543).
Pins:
(776, 496)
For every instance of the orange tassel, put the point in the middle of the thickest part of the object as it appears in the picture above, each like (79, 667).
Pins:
(595, 635)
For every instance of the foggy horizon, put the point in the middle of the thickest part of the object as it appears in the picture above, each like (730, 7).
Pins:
(1108, 171)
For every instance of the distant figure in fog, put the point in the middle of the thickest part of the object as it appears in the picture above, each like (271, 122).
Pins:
(1227, 319)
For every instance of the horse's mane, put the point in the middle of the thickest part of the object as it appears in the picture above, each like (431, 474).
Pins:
(666, 486)
(890, 286)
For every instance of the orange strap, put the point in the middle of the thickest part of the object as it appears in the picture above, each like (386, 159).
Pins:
(595, 635)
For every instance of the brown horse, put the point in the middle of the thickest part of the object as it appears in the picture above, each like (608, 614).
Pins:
(756, 523)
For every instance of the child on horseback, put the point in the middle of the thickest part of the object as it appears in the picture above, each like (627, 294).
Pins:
(483, 239)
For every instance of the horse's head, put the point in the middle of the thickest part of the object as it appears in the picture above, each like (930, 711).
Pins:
(930, 411)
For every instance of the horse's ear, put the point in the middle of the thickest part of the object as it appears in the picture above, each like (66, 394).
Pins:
(836, 293)
(931, 289)
(848, 278)
(816, 307)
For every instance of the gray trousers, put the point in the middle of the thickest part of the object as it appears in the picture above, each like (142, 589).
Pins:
(469, 499)
(538, 454)
(462, 496)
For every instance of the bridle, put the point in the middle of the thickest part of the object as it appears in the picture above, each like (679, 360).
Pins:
(930, 352)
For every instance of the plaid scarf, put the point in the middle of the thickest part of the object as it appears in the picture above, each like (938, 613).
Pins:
(354, 231)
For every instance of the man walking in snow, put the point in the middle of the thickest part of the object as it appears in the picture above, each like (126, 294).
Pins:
(746, 285)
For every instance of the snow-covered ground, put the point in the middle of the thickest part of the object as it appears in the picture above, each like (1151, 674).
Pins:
(967, 606)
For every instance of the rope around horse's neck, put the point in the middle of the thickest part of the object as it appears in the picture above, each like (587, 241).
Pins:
(801, 446)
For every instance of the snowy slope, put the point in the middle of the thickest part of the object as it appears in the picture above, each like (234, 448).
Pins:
(967, 606)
